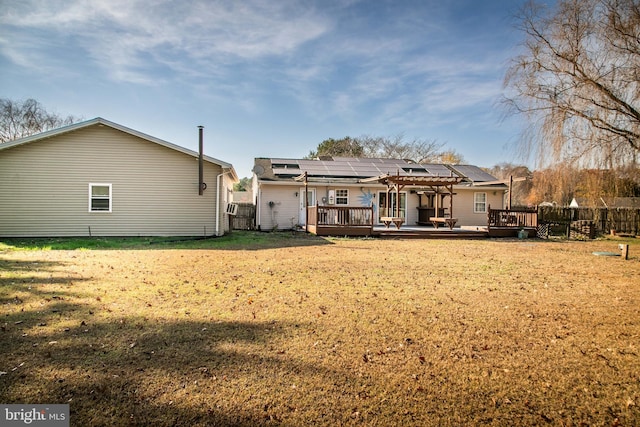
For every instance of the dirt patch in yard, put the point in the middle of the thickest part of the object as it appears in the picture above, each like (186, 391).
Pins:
(342, 332)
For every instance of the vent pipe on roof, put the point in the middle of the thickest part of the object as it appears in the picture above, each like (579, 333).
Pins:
(201, 184)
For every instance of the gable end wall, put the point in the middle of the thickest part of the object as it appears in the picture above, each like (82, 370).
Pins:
(44, 187)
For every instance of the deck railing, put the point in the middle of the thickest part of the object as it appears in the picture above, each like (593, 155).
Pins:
(336, 218)
(513, 218)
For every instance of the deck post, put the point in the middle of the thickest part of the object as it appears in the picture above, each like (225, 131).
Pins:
(451, 201)
(306, 204)
(510, 191)
(388, 199)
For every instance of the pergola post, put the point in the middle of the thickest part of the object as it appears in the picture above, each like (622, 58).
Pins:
(388, 199)
(434, 182)
(450, 188)
(306, 202)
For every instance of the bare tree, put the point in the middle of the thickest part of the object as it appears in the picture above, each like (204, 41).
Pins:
(520, 189)
(451, 157)
(578, 81)
(21, 119)
(418, 150)
(553, 185)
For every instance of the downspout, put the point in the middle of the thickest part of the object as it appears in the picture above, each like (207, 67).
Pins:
(258, 200)
(201, 185)
(218, 202)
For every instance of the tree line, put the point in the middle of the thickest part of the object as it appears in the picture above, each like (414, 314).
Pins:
(557, 184)
(397, 147)
(19, 119)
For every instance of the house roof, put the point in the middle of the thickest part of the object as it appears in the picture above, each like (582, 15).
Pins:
(623, 202)
(102, 122)
(353, 169)
(606, 202)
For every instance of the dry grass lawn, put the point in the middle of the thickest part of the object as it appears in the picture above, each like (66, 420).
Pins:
(310, 331)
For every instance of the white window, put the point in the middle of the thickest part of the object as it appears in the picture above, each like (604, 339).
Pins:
(100, 198)
(342, 197)
(479, 202)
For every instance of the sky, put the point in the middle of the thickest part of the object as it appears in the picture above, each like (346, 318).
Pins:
(271, 78)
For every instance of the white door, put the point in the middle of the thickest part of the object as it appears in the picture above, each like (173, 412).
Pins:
(310, 200)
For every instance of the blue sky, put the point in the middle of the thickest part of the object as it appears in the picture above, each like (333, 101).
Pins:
(270, 78)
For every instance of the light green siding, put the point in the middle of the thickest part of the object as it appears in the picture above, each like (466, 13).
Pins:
(44, 187)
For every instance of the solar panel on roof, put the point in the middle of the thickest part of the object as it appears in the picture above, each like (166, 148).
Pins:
(316, 170)
(474, 173)
(286, 171)
(438, 170)
(291, 161)
(341, 171)
(372, 167)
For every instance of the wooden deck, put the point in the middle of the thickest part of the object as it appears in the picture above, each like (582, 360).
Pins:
(404, 232)
(509, 222)
(429, 232)
(340, 221)
(359, 221)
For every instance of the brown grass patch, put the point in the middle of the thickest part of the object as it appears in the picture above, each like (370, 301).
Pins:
(331, 332)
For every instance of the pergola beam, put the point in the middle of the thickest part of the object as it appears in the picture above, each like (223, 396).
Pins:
(399, 182)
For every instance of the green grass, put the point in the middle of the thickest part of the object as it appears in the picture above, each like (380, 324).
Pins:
(237, 240)
(281, 329)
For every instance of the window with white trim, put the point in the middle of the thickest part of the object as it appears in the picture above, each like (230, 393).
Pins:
(100, 198)
(479, 202)
(342, 197)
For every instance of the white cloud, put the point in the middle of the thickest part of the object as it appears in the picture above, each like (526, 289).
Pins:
(338, 60)
(123, 35)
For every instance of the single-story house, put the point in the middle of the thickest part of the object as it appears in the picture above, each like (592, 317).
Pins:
(425, 190)
(99, 178)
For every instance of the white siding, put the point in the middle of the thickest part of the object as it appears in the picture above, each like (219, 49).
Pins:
(463, 205)
(44, 187)
(285, 205)
(278, 207)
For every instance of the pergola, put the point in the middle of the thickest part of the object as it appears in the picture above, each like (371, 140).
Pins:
(439, 185)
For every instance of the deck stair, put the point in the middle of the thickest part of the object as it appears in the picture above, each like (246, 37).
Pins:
(429, 233)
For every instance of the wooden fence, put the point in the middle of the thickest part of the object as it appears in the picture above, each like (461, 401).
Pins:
(604, 220)
(577, 223)
(245, 218)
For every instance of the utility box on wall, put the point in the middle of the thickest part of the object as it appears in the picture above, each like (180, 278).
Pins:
(332, 197)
